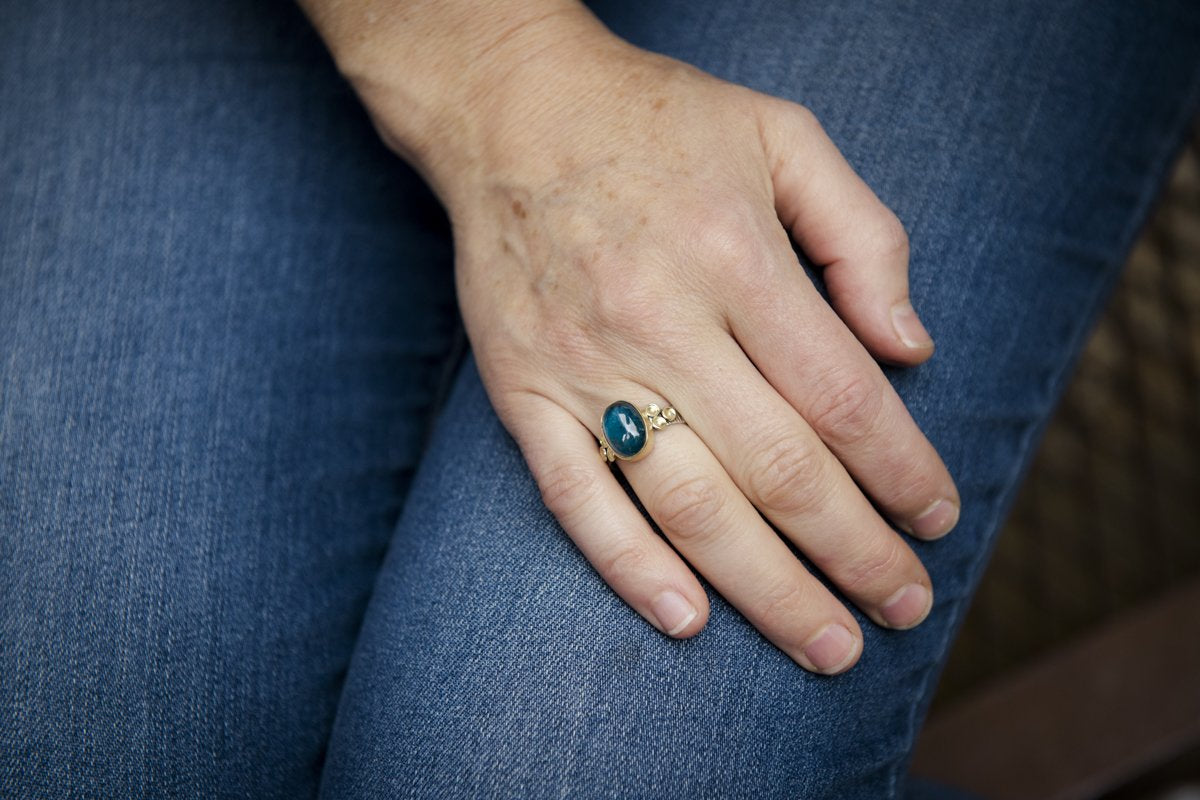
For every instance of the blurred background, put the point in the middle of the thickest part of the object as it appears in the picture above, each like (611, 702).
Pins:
(1077, 670)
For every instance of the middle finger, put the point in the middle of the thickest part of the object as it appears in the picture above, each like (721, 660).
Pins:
(781, 465)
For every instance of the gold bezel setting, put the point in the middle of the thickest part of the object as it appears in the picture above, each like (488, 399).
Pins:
(654, 417)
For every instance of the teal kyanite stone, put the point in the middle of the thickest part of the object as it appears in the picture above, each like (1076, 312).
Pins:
(624, 428)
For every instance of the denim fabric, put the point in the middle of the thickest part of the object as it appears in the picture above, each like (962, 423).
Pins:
(226, 321)
(224, 313)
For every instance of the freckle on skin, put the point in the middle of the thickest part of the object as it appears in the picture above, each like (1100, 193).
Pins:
(519, 209)
(642, 220)
(658, 103)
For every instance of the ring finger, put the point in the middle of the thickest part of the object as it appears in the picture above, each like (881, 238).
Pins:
(712, 524)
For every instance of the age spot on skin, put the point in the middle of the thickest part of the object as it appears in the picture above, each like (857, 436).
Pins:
(658, 103)
(519, 209)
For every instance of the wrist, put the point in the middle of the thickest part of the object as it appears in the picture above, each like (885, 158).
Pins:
(450, 86)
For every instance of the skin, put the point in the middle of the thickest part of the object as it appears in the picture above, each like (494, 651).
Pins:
(622, 227)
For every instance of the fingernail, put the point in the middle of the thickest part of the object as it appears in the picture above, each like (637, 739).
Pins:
(673, 611)
(909, 328)
(831, 648)
(907, 607)
(937, 520)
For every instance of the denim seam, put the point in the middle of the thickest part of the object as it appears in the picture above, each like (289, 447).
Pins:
(1151, 190)
(456, 353)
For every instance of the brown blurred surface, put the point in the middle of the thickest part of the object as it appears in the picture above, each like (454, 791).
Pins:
(1109, 516)
(1097, 712)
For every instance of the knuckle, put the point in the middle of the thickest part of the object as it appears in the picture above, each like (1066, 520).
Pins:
(630, 318)
(848, 409)
(878, 566)
(788, 476)
(891, 240)
(789, 111)
(690, 507)
(626, 563)
(627, 306)
(803, 126)
(908, 485)
(567, 488)
(727, 240)
(804, 117)
(782, 601)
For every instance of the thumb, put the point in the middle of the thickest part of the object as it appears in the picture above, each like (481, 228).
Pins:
(843, 227)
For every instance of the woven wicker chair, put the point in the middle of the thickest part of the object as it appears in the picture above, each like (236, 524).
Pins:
(1077, 671)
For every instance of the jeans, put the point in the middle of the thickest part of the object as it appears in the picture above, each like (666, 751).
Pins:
(261, 533)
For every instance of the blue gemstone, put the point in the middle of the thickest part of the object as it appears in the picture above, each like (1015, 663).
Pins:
(624, 428)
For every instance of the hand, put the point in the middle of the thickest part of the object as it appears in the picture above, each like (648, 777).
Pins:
(621, 232)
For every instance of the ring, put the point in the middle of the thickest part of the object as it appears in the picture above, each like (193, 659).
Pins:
(628, 434)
